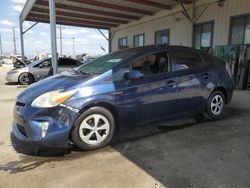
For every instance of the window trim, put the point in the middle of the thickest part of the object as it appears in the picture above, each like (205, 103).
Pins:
(212, 32)
(121, 39)
(168, 30)
(143, 34)
(231, 29)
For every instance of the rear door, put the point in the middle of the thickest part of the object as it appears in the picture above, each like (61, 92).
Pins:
(192, 76)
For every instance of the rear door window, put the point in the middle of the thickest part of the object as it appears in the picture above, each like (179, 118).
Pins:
(44, 64)
(187, 59)
(67, 62)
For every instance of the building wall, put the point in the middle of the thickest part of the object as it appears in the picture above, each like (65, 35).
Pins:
(181, 29)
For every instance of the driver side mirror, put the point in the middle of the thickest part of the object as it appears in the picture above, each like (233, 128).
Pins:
(133, 75)
(40, 66)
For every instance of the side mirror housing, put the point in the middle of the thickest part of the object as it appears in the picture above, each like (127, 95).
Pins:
(40, 66)
(133, 75)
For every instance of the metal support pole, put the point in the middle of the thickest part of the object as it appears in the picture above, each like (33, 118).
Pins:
(73, 47)
(61, 40)
(111, 35)
(1, 48)
(52, 14)
(14, 41)
(110, 47)
(21, 37)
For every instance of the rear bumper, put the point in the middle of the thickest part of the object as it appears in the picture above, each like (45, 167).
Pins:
(229, 97)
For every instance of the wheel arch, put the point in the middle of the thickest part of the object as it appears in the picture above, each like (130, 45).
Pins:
(105, 105)
(223, 90)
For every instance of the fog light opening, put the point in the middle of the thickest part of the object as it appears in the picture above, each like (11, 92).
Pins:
(44, 127)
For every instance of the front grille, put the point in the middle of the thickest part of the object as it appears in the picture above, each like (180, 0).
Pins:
(21, 129)
(20, 103)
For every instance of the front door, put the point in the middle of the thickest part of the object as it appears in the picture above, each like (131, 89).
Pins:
(155, 95)
(41, 70)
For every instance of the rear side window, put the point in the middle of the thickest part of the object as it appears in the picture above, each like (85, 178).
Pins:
(185, 59)
(67, 62)
(208, 58)
(212, 60)
(46, 63)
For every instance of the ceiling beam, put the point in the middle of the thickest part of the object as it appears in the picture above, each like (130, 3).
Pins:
(186, 1)
(40, 20)
(60, 18)
(152, 4)
(78, 15)
(113, 6)
(87, 10)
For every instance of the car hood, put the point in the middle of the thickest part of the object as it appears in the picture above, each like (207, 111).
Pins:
(20, 69)
(63, 81)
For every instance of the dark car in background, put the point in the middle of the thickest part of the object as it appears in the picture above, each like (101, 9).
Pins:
(131, 87)
(26, 74)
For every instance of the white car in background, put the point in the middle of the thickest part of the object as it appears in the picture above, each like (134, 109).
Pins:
(38, 70)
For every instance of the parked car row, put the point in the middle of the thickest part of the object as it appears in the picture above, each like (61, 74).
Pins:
(27, 74)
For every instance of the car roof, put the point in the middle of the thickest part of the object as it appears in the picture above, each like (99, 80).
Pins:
(158, 47)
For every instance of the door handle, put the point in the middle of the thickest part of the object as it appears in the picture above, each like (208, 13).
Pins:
(170, 83)
(205, 75)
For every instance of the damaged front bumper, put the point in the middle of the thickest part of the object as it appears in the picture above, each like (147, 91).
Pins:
(28, 126)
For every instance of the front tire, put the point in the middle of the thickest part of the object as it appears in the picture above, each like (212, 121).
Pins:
(26, 79)
(215, 106)
(93, 129)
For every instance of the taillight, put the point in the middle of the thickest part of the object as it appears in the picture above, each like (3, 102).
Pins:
(228, 70)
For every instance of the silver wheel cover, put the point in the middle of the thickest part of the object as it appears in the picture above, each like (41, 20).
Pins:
(94, 129)
(217, 104)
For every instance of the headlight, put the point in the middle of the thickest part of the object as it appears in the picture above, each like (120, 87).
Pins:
(53, 98)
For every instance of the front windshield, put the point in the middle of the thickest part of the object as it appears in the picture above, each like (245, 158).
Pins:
(105, 63)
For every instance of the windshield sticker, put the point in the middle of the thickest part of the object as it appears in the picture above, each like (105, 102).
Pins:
(114, 60)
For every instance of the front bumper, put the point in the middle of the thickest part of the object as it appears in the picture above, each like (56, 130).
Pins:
(26, 127)
(12, 78)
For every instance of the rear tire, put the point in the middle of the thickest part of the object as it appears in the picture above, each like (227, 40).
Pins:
(93, 129)
(26, 79)
(215, 106)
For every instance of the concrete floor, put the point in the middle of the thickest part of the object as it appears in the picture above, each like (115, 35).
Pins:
(183, 153)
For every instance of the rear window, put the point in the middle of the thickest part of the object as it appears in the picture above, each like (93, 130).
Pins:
(210, 59)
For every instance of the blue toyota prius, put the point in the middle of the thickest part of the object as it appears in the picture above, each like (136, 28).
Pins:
(142, 85)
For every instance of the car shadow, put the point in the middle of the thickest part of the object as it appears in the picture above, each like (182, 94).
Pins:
(16, 84)
(11, 84)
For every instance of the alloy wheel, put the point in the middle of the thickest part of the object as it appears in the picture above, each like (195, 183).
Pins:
(25, 78)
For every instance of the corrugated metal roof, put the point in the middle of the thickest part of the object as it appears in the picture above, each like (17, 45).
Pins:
(95, 13)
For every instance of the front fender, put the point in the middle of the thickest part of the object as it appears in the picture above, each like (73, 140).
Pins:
(82, 103)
